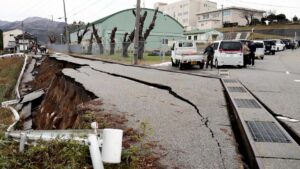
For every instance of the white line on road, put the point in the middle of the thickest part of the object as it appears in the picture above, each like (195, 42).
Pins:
(296, 80)
(287, 72)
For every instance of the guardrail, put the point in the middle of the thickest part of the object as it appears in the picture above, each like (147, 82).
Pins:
(109, 139)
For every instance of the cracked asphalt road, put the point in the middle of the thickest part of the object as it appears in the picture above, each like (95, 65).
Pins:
(193, 139)
(273, 80)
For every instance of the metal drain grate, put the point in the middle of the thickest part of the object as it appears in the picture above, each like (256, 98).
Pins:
(237, 89)
(247, 103)
(266, 131)
(229, 81)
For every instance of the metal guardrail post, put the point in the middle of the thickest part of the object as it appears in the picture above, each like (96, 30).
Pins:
(95, 152)
(23, 139)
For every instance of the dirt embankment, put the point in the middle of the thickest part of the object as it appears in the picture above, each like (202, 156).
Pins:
(58, 109)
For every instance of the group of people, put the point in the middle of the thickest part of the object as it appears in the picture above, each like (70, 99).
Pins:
(249, 50)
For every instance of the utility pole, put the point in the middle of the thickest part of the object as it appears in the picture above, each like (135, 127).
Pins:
(222, 15)
(23, 43)
(137, 30)
(66, 22)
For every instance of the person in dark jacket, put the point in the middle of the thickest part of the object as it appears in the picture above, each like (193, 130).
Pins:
(210, 55)
(252, 48)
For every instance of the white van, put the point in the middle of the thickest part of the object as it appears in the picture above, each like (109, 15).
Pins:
(228, 53)
(260, 49)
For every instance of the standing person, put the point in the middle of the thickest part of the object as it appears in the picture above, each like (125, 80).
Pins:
(252, 48)
(210, 55)
(246, 52)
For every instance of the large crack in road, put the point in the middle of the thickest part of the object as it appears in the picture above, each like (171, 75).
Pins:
(204, 119)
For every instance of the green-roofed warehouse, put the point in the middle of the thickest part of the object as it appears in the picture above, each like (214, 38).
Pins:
(166, 27)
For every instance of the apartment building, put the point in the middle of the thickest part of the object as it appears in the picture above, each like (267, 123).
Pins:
(213, 19)
(185, 11)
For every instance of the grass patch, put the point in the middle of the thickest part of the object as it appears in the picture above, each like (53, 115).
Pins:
(260, 27)
(118, 58)
(9, 72)
(265, 36)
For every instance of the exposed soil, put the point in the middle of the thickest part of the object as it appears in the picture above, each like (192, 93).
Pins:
(67, 105)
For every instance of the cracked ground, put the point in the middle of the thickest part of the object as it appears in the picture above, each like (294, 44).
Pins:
(187, 114)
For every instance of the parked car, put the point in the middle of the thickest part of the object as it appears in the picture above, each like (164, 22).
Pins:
(228, 53)
(288, 43)
(270, 47)
(260, 49)
(154, 53)
(185, 53)
(280, 46)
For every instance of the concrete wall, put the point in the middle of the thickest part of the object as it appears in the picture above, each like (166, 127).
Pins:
(9, 36)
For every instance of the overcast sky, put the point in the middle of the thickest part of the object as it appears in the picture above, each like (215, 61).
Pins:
(91, 10)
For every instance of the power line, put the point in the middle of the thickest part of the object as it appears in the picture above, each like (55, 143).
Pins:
(264, 4)
(93, 3)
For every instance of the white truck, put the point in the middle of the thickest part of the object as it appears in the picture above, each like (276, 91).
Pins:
(185, 53)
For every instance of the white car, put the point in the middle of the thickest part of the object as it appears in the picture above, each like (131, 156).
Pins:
(280, 45)
(185, 53)
(228, 53)
(260, 49)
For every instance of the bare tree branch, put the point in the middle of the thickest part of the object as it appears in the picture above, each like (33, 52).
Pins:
(80, 37)
(151, 26)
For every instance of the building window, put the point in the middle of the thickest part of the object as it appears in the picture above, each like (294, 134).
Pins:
(205, 16)
(226, 13)
(195, 37)
(189, 37)
(185, 13)
(215, 15)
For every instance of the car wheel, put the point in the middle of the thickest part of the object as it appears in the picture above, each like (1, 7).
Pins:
(180, 66)
(273, 53)
(262, 58)
(216, 64)
(201, 65)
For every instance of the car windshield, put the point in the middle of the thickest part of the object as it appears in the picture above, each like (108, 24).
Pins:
(259, 45)
(185, 44)
(231, 46)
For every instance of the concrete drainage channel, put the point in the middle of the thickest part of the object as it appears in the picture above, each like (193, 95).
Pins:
(266, 142)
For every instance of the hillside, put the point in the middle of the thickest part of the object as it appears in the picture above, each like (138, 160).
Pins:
(287, 30)
(36, 26)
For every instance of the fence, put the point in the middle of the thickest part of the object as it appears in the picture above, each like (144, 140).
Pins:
(153, 51)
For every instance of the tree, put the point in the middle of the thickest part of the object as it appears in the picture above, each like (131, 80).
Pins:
(126, 43)
(271, 17)
(248, 15)
(90, 44)
(52, 38)
(1, 39)
(143, 37)
(98, 39)
(112, 41)
(81, 35)
(281, 18)
(295, 19)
